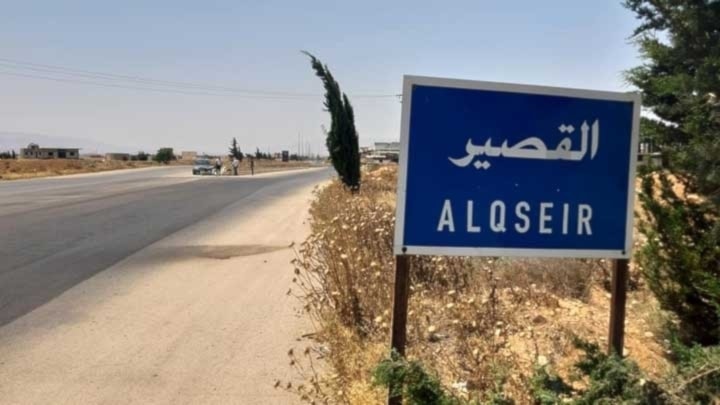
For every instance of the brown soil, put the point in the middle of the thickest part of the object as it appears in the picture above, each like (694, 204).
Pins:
(26, 169)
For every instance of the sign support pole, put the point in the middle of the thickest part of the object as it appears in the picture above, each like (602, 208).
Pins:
(399, 318)
(618, 289)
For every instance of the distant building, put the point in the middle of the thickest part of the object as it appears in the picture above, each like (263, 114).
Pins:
(188, 155)
(34, 151)
(117, 156)
(385, 148)
(381, 152)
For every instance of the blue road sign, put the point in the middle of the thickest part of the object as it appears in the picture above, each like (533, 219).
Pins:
(490, 169)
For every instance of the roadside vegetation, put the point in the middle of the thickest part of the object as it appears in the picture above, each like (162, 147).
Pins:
(342, 138)
(235, 152)
(165, 155)
(680, 81)
(8, 154)
(530, 331)
(481, 330)
(32, 168)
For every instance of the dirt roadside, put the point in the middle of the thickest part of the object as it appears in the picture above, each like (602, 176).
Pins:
(199, 317)
(32, 168)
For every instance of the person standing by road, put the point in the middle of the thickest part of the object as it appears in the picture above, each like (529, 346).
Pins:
(235, 164)
(252, 166)
(218, 166)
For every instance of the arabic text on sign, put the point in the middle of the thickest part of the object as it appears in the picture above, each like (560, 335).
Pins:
(534, 148)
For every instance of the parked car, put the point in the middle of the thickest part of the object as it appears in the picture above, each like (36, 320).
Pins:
(202, 167)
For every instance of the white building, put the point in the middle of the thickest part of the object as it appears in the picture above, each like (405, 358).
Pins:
(383, 152)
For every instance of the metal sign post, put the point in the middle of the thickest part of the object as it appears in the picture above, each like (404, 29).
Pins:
(497, 169)
(618, 289)
(400, 310)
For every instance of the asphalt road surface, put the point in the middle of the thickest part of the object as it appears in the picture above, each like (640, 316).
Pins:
(57, 232)
(150, 286)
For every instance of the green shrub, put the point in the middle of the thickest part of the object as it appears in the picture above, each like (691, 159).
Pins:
(409, 379)
(548, 388)
(164, 155)
(610, 380)
(418, 387)
(696, 378)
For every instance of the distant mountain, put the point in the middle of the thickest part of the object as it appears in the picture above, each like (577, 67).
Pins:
(17, 140)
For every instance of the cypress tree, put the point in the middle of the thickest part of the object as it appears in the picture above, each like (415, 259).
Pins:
(235, 151)
(342, 138)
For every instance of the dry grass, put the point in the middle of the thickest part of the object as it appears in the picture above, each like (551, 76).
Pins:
(25, 169)
(482, 324)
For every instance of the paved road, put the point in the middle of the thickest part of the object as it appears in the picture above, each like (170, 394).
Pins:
(151, 287)
(57, 232)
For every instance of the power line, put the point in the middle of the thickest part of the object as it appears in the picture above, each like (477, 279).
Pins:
(196, 88)
(137, 79)
(172, 91)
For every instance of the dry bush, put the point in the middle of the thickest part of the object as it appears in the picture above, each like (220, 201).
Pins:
(345, 266)
(344, 274)
(482, 324)
(568, 278)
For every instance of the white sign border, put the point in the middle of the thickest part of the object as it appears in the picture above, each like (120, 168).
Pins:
(409, 81)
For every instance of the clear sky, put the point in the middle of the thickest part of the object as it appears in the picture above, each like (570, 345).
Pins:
(255, 45)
